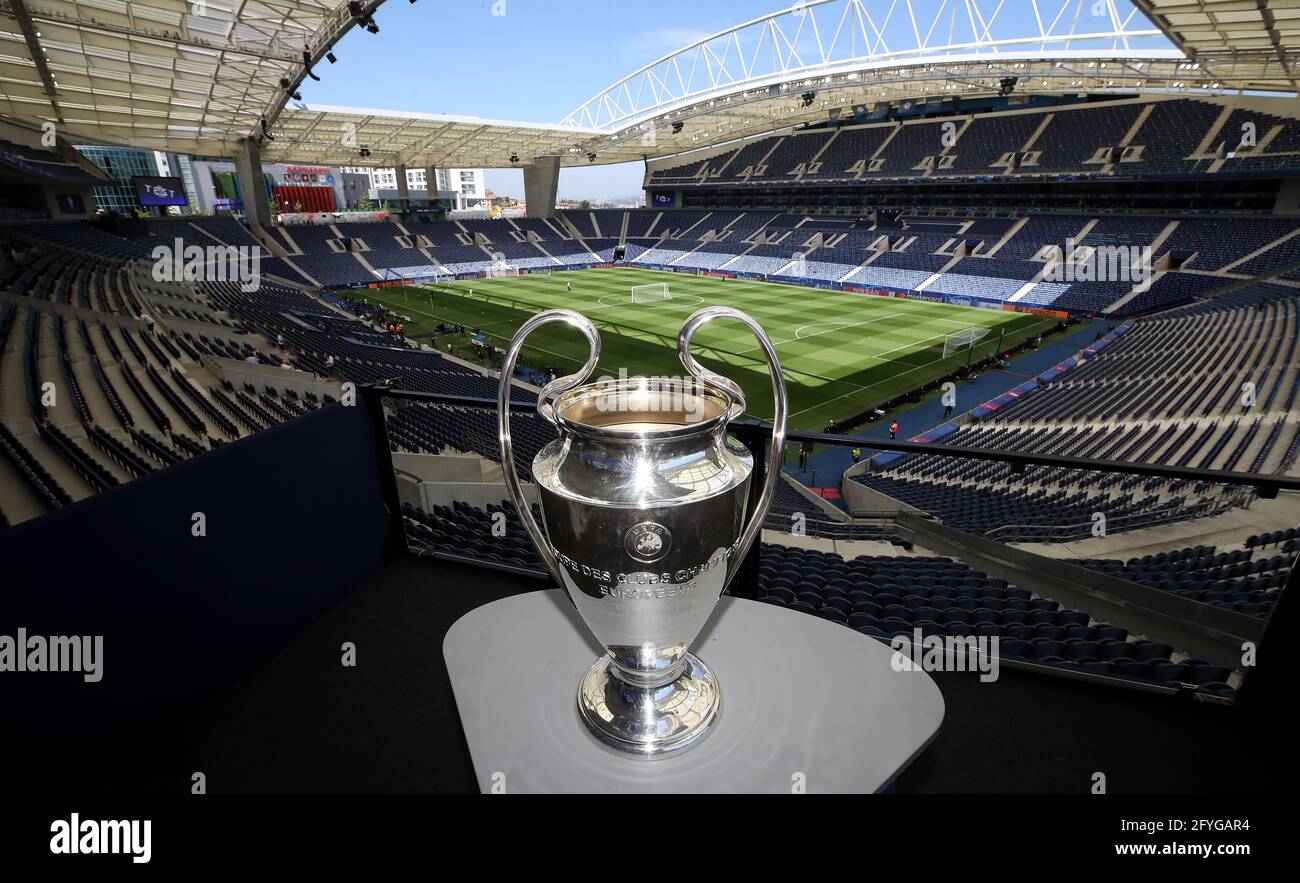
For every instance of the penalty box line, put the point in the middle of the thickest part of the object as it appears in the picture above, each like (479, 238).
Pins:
(878, 383)
(873, 319)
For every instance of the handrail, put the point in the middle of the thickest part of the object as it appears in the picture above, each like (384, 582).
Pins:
(1016, 533)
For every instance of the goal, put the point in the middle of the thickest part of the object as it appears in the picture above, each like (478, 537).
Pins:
(963, 340)
(654, 291)
(496, 271)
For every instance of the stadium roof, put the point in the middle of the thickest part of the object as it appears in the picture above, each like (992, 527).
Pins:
(191, 76)
(196, 76)
(1209, 28)
(326, 135)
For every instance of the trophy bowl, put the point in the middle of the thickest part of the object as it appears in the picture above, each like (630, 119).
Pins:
(644, 503)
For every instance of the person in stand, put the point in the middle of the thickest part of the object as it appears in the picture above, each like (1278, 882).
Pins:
(401, 331)
(803, 458)
(279, 341)
(329, 361)
(893, 430)
(947, 411)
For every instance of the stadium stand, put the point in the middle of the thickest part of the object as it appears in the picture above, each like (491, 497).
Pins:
(1008, 261)
(1083, 141)
(1168, 260)
(1167, 392)
(145, 395)
(1246, 580)
(888, 596)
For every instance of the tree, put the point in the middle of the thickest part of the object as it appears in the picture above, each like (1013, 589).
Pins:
(585, 204)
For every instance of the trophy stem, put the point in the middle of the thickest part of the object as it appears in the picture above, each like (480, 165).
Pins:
(639, 679)
(649, 721)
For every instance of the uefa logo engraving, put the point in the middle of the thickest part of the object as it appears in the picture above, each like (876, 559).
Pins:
(647, 542)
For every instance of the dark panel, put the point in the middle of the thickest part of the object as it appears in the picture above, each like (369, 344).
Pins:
(294, 520)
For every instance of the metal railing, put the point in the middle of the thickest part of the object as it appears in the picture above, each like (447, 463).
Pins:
(1058, 533)
(826, 528)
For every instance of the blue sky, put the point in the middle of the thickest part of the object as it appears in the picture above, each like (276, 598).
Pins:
(536, 63)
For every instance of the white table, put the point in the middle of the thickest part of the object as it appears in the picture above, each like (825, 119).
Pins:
(807, 704)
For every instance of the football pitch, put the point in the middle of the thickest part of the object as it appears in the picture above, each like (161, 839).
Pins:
(842, 353)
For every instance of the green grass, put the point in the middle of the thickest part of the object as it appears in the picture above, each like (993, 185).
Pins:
(841, 353)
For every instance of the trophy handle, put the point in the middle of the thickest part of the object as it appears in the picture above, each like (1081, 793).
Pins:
(704, 375)
(545, 409)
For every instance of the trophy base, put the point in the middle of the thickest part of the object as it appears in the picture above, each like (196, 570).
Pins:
(649, 723)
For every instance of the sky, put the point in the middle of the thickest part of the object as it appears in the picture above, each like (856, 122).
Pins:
(536, 63)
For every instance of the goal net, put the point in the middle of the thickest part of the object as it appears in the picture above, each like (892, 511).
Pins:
(963, 340)
(654, 291)
(495, 271)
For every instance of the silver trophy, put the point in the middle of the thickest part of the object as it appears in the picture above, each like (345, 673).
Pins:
(644, 498)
